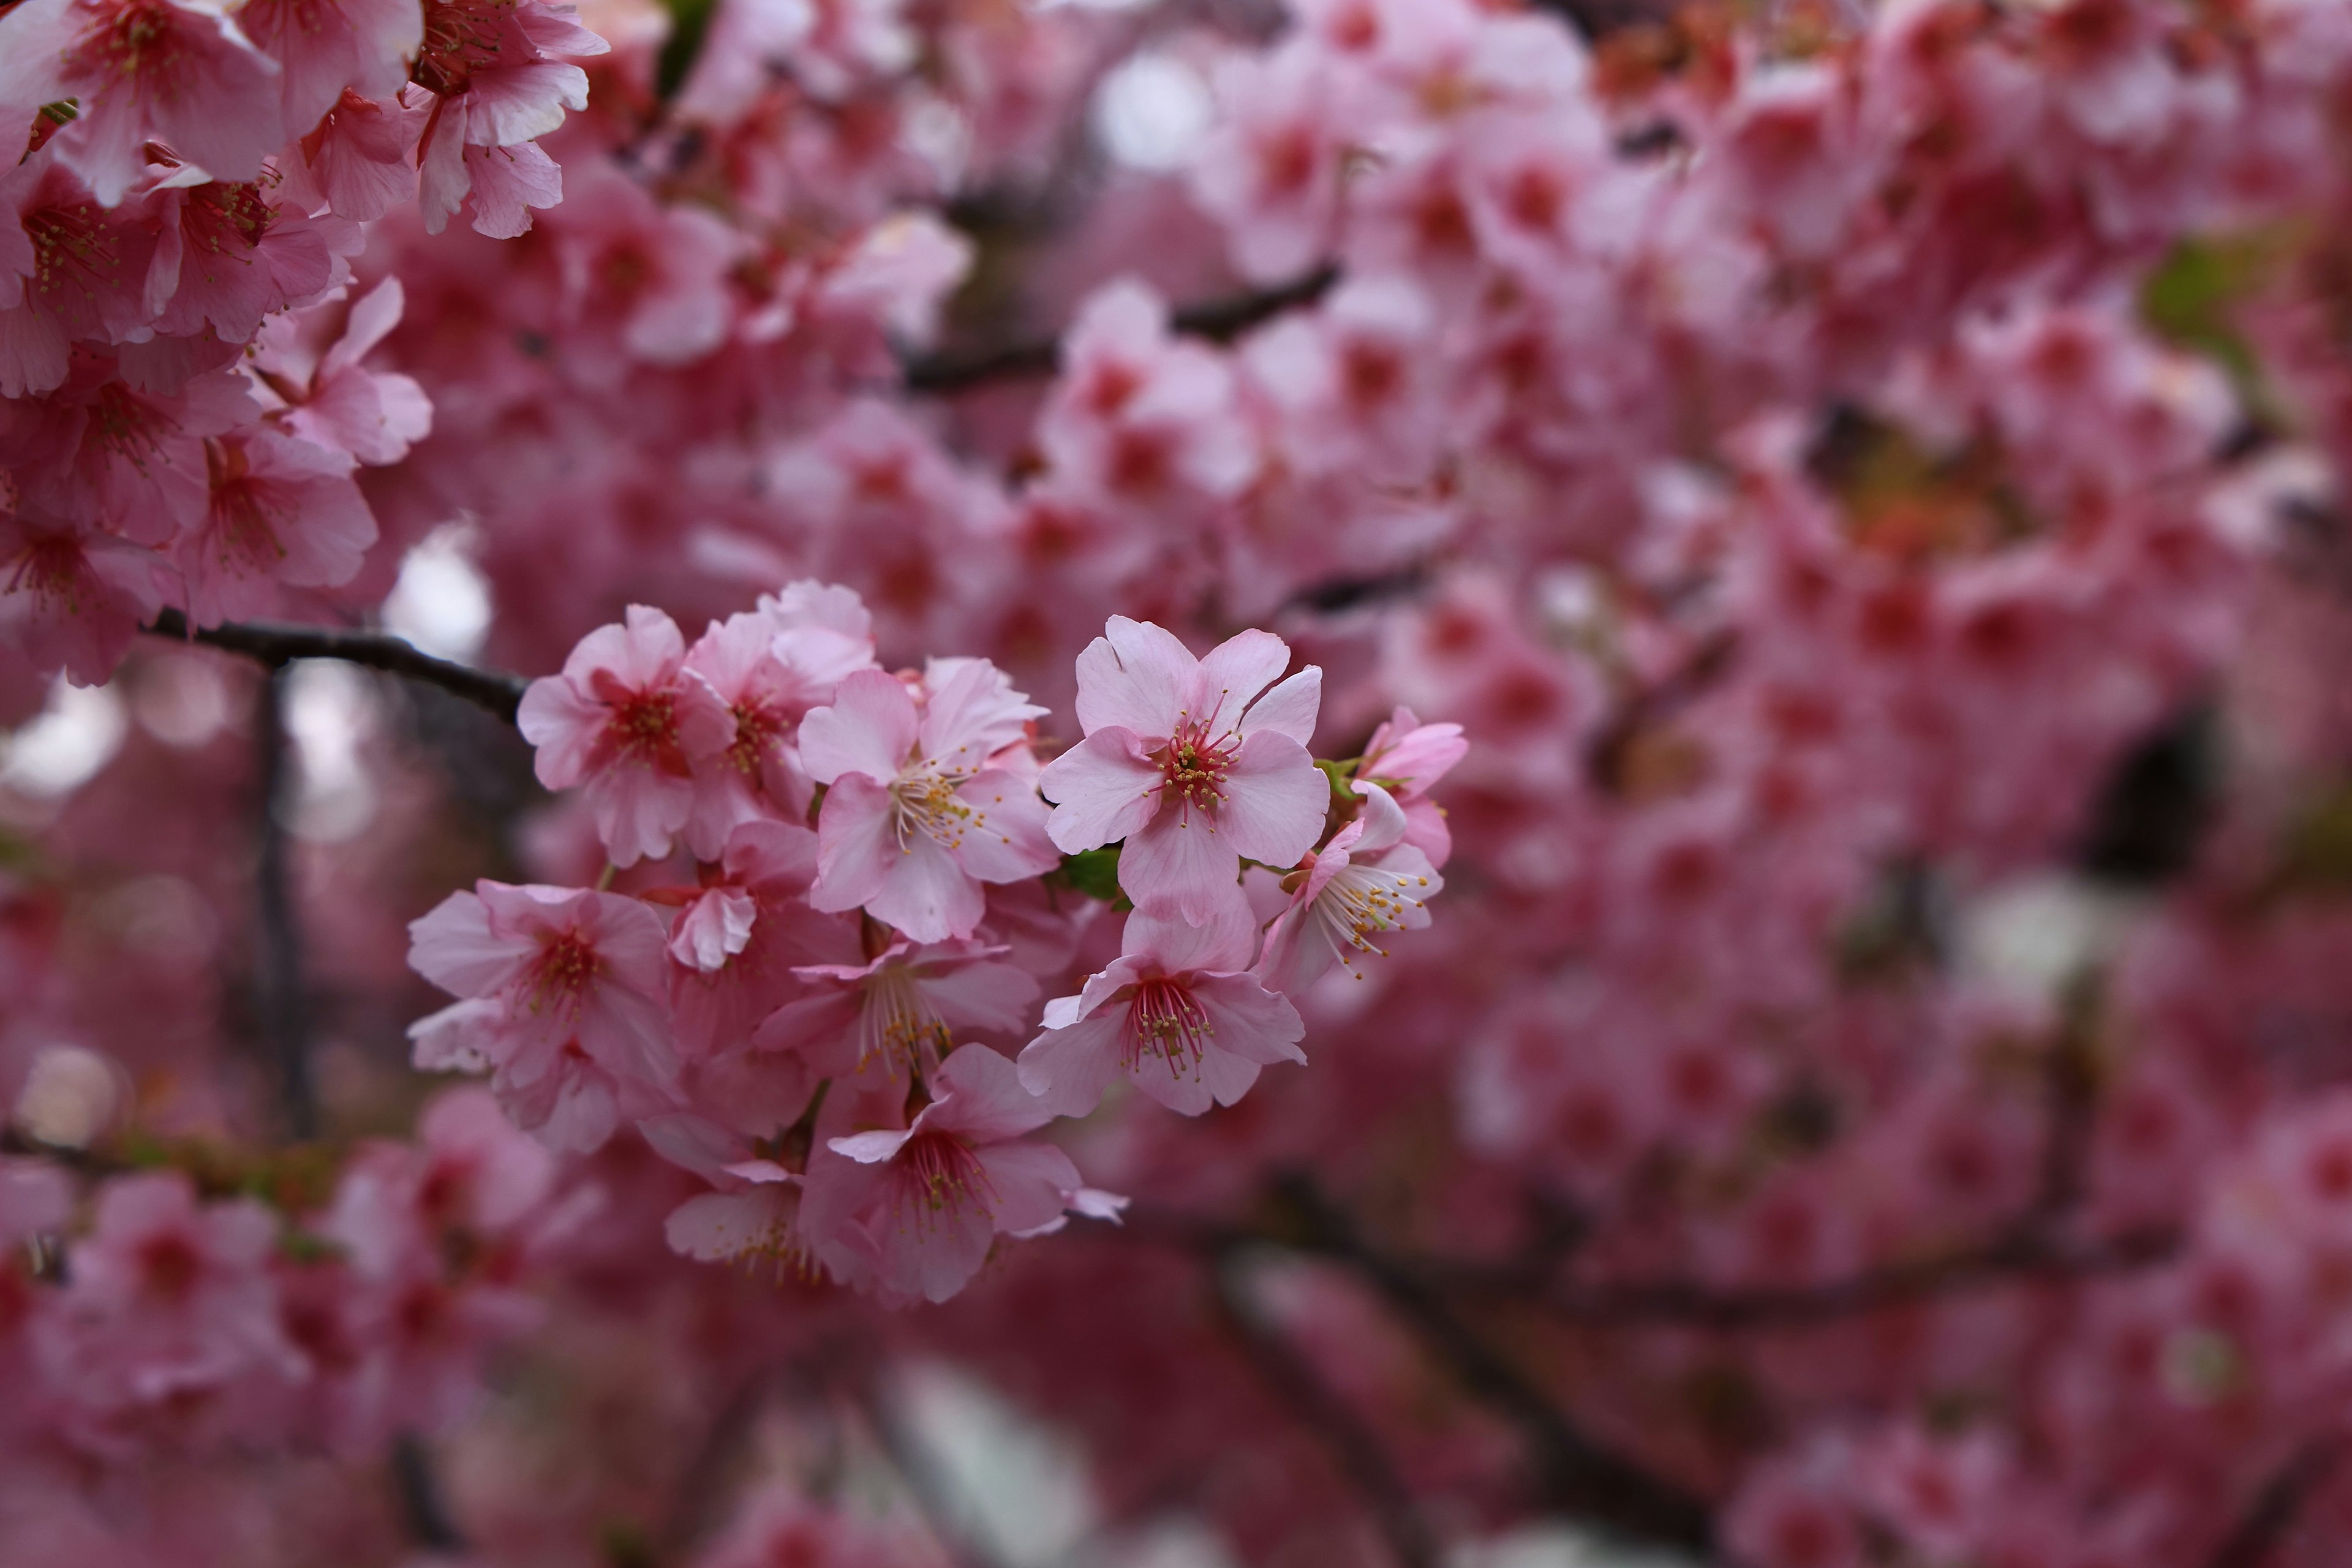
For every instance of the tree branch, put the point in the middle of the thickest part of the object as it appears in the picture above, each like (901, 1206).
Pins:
(421, 1503)
(281, 999)
(2002, 1261)
(1221, 321)
(278, 643)
(1570, 1471)
(2278, 1505)
(1354, 1447)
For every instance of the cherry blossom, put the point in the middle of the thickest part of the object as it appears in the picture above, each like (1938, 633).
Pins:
(920, 806)
(629, 722)
(1176, 1014)
(1193, 762)
(918, 1210)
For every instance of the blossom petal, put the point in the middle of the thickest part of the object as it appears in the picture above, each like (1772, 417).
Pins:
(1105, 789)
(1137, 676)
(869, 729)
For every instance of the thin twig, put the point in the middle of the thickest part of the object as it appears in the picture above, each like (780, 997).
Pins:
(1572, 1473)
(281, 996)
(2265, 1526)
(278, 643)
(2002, 1262)
(1354, 1447)
(421, 1502)
(1220, 321)
(932, 1493)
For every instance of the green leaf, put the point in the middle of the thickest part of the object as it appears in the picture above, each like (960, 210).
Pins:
(1095, 873)
(689, 20)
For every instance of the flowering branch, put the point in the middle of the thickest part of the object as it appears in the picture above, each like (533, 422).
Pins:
(278, 643)
(1220, 321)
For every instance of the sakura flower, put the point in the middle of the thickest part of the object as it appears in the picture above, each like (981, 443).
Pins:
(325, 48)
(753, 1214)
(1175, 1014)
(1351, 893)
(756, 1218)
(130, 458)
(771, 666)
(356, 162)
(141, 71)
(1187, 762)
(490, 74)
(335, 401)
(71, 270)
(920, 808)
(72, 597)
(564, 1000)
(913, 1214)
(1405, 757)
(226, 256)
(905, 1009)
(628, 721)
(171, 1311)
(739, 935)
(281, 510)
(1142, 419)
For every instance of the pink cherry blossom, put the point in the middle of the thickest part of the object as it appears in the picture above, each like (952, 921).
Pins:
(1175, 1014)
(1405, 757)
(334, 401)
(565, 1001)
(281, 510)
(917, 1211)
(920, 808)
(1365, 883)
(1187, 762)
(171, 1312)
(769, 667)
(906, 1009)
(738, 936)
(627, 722)
(141, 70)
(1143, 419)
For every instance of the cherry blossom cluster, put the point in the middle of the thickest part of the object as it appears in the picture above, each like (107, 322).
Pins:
(182, 344)
(148, 1319)
(1856, 491)
(812, 1025)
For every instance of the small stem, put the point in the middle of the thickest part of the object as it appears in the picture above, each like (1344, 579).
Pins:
(281, 1000)
(277, 644)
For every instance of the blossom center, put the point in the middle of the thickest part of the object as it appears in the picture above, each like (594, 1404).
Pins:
(243, 516)
(1360, 903)
(936, 1174)
(1196, 763)
(899, 1023)
(924, 800)
(559, 978)
(1165, 1020)
(642, 726)
(460, 38)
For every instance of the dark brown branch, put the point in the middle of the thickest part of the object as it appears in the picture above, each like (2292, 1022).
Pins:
(1354, 1447)
(421, 1502)
(2266, 1525)
(930, 1492)
(2006, 1261)
(278, 643)
(1571, 1473)
(281, 994)
(1221, 321)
